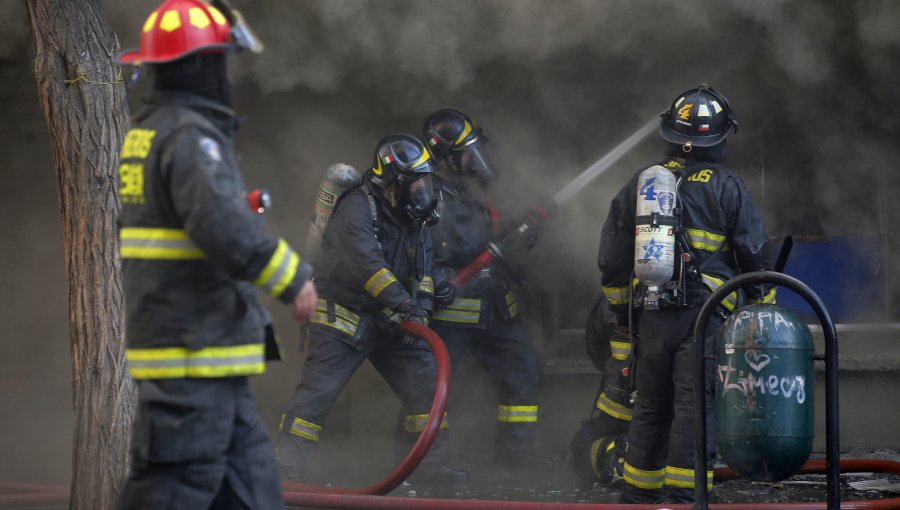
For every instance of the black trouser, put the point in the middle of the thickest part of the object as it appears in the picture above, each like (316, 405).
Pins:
(506, 351)
(409, 370)
(660, 459)
(198, 444)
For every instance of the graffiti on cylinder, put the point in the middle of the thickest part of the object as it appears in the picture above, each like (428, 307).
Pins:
(777, 319)
(755, 375)
(755, 380)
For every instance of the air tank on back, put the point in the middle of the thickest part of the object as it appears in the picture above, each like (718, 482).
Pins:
(654, 231)
(338, 178)
(764, 392)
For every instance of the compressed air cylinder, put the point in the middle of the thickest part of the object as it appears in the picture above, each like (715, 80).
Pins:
(338, 178)
(764, 392)
(654, 232)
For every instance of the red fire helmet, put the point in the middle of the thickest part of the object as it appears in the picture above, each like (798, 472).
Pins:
(178, 28)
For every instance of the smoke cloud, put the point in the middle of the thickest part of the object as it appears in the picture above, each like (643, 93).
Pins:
(555, 84)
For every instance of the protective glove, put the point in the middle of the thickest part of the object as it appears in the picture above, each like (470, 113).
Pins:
(411, 311)
(444, 294)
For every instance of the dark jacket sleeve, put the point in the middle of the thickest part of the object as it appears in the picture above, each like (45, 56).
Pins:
(425, 290)
(208, 196)
(616, 255)
(747, 236)
(353, 236)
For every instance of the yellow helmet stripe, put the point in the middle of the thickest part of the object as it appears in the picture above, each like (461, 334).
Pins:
(422, 159)
(467, 128)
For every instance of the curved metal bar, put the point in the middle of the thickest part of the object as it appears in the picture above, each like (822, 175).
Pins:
(832, 437)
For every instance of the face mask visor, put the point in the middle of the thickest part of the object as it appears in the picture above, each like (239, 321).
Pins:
(474, 161)
(417, 197)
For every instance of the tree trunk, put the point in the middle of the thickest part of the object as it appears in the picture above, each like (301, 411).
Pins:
(83, 99)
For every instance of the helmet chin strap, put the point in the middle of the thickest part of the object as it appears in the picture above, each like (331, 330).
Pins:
(687, 147)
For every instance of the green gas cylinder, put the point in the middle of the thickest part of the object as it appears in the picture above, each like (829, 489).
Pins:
(764, 392)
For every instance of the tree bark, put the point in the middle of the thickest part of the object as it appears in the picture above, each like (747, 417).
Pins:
(83, 99)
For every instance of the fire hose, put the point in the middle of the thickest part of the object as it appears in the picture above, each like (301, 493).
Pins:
(37, 495)
(404, 503)
(426, 438)
(21, 494)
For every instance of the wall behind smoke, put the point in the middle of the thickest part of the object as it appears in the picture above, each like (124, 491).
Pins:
(554, 83)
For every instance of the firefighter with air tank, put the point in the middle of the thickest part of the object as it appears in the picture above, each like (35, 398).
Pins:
(192, 251)
(375, 270)
(482, 316)
(681, 227)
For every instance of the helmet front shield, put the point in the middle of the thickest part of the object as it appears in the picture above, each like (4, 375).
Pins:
(474, 160)
(244, 36)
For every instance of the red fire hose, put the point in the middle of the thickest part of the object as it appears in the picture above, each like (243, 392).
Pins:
(432, 424)
(403, 503)
(45, 495)
(28, 494)
(494, 249)
(307, 495)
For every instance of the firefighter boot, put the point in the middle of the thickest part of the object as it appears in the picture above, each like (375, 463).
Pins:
(608, 454)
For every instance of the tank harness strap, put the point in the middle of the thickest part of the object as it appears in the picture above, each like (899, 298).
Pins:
(713, 255)
(373, 209)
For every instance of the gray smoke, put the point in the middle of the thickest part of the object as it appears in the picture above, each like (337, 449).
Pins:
(556, 84)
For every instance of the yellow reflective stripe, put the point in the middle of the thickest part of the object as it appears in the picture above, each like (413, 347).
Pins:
(614, 409)
(517, 414)
(644, 479)
(467, 128)
(620, 350)
(416, 422)
(703, 240)
(713, 283)
(595, 455)
(379, 281)
(425, 285)
(462, 310)
(447, 315)
(391, 315)
(512, 303)
(171, 362)
(680, 477)
(617, 295)
(767, 299)
(466, 304)
(157, 244)
(320, 317)
(305, 429)
(280, 271)
(344, 320)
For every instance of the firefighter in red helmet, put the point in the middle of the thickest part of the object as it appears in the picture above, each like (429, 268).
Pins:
(193, 255)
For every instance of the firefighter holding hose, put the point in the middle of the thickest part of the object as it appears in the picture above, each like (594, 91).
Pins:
(482, 315)
(192, 251)
(681, 227)
(374, 271)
